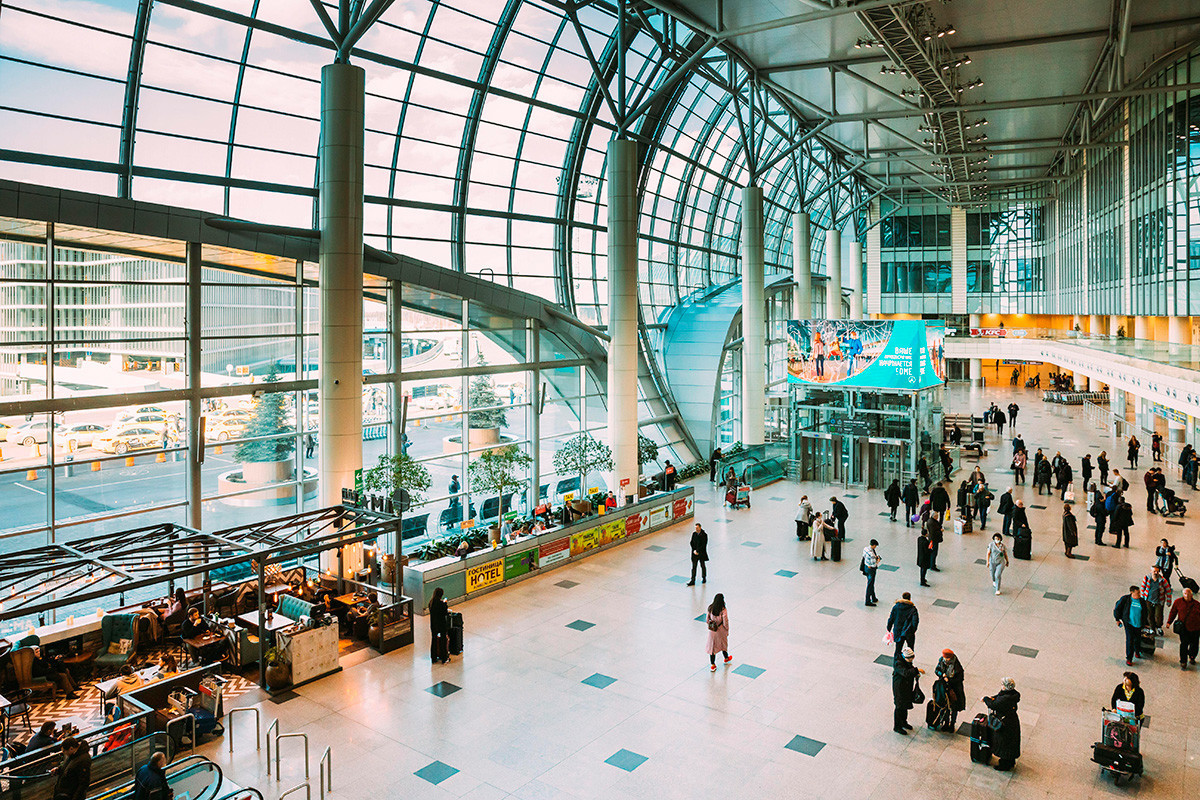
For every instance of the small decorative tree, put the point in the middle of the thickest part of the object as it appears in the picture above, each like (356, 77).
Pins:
(269, 419)
(392, 475)
(483, 396)
(497, 470)
(647, 451)
(580, 455)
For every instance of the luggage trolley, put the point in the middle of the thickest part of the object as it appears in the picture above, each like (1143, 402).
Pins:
(1119, 750)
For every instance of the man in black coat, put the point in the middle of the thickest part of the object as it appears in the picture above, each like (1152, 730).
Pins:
(699, 545)
(1013, 408)
(939, 501)
(151, 781)
(1018, 444)
(841, 515)
(714, 461)
(983, 502)
(1132, 613)
(1020, 519)
(903, 622)
(75, 773)
(933, 530)
(1099, 515)
(911, 497)
(924, 546)
(1005, 509)
(1122, 521)
(892, 496)
(904, 684)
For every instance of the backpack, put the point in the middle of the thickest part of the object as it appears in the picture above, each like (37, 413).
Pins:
(714, 623)
(1110, 502)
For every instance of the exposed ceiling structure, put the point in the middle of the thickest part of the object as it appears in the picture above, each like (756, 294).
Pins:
(966, 99)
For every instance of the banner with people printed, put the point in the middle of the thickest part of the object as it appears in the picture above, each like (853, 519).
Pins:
(869, 354)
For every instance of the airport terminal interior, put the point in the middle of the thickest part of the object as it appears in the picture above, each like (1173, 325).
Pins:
(571, 399)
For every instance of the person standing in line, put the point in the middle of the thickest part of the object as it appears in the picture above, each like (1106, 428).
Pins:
(870, 562)
(1119, 481)
(1006, 509)
(934, 530)
(699, 546)
(1131, 613)
(1148, 482)
(1185, 613)
(939, 501)
(1041, 477)
(983, 501)
(1132, 451)
(1018, 444)
(1156, 446)
(999, 418)
(1070, 530)
(1038, 458)
(1020, 459)
(1013, 408)
(1006, 740)
(911, 497)
(151, 781)
(804, 515)
(1020, 519)
(902, 623)
(1099, 514)
(840, 514)
(1156, 592)
(714, 463)
(1102, 465)
(997, 560)
(924, 546)
(904, 685)
(1122, 521)
(717, 620)
(439, 627)
(1085, 470)
(822, 529)
(1065, 477)
(75, 773)
(963, 500)
(950, 671)
(892, 496)
(923, 472)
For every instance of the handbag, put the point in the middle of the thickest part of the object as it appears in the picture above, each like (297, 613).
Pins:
(1069, 494)
(918, 696)
(994, 723)
(862, 565)
(1178, 627)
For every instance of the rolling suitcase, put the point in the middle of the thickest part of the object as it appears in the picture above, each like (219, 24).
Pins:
(1147, 642)
(1022, 545)
(981, 740)
(835, 549)
(456, 634)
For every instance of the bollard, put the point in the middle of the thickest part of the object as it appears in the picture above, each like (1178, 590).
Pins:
(95, 466)
(161, 458)
(217, 450)
(129, 461)
(31, 475)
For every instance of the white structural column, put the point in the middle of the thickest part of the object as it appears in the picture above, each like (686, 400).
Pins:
(958, 260)
(754, 326)
(801, 266)
(976, 366)
(1141, 328)
(874, 288)
(833, 268)
(1179, 330)
(341, 218)
(1115, 323)
(623, 314)
(856, 280)
(1097, 325)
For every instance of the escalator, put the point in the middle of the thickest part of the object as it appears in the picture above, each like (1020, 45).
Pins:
(191, 778)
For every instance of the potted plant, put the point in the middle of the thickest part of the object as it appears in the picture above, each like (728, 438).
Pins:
(266, 461)
(373, 630)
(399, 477)
(497, 470)
(580, 455)
(279, 670)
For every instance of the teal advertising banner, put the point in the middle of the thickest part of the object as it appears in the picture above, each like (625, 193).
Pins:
(867, 354)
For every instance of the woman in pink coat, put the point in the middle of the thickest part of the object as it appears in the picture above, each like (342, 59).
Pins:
(718, 632)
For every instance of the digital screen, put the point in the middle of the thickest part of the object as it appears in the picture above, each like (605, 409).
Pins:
(869, 354)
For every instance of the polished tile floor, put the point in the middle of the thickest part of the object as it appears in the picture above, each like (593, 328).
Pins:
(591, 681)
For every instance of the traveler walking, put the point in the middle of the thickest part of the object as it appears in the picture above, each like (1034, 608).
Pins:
(1099, 514)
(983, 502)
(310, 444)
(934, 531)
(1006, 509)
(949, 671)
(1102, 465)
(892, 496)
(1006, 732)
(1065, 477)
(911, 497)
(1070, 530)
(904, 689)
(1041, 476)
(1129, 690)
(962, 501)
(1165, 558)
(947, 463)
(699, 546)
(1132, 449)
(1131, 613)
(804, 515)
(717, 620)
(1085, 469)
(1013, 408)
(1156, 592)
(924, 548)
(939, 501)
(439, 627)
(1019, 461)
(1185, 621)
(997, 560)
(1156, 446)
(1018, 444)
(999, 418)
(902, 623)
(870, 566)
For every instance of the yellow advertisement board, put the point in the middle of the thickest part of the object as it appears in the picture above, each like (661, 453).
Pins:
(585, 540)
(611, 531)
(485, 575)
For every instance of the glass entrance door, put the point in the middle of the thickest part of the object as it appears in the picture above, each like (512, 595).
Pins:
(884, 463)
(822, 457)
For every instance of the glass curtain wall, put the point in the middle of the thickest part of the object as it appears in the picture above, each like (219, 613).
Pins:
(914, 262)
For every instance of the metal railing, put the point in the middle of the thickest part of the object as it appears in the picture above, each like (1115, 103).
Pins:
(174, 771)
(274, 726)
(257, 726)
(238, 794)
(307, 791)
(325, 775)
(1120, 429)
(179, 721)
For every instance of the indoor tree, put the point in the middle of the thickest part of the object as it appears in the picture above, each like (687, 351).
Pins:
(497, 470)
(581, 455)
(647, 451)
(399, 477)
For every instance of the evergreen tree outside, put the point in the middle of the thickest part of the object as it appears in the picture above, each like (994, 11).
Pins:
(269, 419)
(483, 395)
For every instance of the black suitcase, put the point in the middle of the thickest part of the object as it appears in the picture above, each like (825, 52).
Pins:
(1118, 759)
(835, 549)
(981, 740)
(1022, 546)
(1148, 642)
(456, 633)
(1186, 582)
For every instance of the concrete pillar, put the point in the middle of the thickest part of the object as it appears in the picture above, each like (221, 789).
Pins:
(1141, 328)
(856, 280)
(623, 314)
(1093, 385)
(833, 268)
(1096, 325)
(802, 266)
(1179, 330)
(976, 365)
(754, 324)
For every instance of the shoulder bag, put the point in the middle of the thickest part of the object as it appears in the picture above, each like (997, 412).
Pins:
(918, 696)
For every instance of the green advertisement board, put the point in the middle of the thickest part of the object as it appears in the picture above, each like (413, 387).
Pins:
(517, 564)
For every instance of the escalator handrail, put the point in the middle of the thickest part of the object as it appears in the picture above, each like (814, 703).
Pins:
(239, 792)
(187, 763)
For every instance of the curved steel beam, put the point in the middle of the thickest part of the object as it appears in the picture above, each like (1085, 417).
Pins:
(133, 87)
